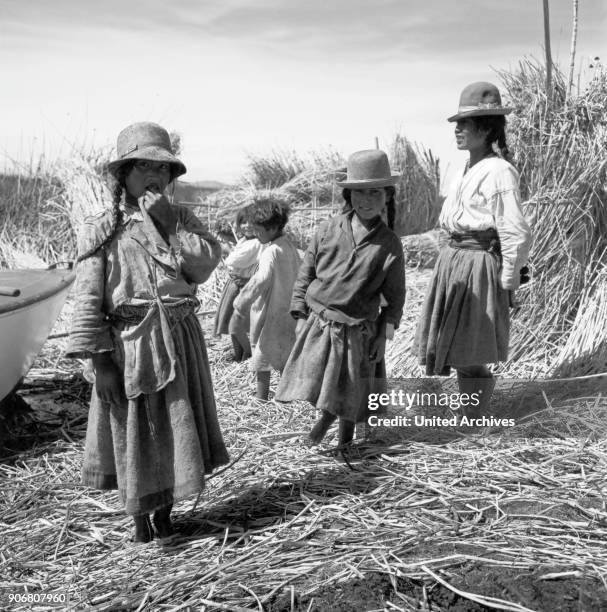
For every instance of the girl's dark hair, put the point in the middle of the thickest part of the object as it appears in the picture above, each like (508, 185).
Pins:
(241, 216)
(495, 125)
(390, 204)
(269, 211)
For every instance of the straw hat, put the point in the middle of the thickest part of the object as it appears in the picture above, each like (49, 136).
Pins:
(480, 99)
(368, 169)
(146, 141)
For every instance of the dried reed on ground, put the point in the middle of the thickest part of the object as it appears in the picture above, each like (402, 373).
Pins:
(502, 518)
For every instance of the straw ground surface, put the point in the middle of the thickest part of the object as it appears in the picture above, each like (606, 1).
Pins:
(417, 518)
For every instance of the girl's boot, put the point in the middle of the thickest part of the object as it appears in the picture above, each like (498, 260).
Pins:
(346, 432)
(321, 427)
(143, 529)
(162, 522)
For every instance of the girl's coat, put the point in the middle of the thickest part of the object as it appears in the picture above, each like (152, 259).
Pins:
(135, 297)
(268, 294)
(339, 290)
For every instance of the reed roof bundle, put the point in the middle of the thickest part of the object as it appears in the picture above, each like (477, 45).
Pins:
(560, 147)
(308, 184)
(33, 229)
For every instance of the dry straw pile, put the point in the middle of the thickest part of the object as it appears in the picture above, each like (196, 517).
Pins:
(560, 149)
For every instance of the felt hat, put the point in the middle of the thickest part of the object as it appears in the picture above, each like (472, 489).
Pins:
(479, 99)
(368, 169)
(147, 141)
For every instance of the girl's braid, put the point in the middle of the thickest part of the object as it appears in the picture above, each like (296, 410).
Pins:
(117, 191)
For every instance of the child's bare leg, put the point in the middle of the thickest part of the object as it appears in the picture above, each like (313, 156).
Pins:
(241, 346)
(162, 521)
(236, 347)
(143, 528)
(321, 427)
(346, 431)
(263, 385)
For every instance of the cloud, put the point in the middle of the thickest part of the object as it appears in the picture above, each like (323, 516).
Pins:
(339, 31)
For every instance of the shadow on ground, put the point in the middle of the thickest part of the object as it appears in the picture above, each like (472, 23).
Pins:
(41, 412)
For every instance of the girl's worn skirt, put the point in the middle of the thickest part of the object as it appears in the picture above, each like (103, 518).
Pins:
(329, 366)
(465, 317)
(156, 448)
(226, 307)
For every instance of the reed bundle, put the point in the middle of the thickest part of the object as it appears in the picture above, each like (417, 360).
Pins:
(85, 193)
(559, 148)
(33, 230)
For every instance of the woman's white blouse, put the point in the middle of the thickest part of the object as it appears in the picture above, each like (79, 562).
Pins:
(487, 196)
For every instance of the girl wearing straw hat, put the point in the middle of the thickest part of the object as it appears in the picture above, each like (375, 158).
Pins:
(153, 431)
(353, 259)
(465, 317)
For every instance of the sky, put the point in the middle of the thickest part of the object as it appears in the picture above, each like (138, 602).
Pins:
(242, 77)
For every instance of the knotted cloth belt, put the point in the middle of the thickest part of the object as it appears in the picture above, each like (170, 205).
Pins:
(481, 240)
(135, 313)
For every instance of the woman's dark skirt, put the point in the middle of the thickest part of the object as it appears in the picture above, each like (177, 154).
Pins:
(465, 318)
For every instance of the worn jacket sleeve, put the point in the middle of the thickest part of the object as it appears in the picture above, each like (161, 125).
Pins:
(259, 283)
(307, 273)
(197, 251)
(90, 331)
(394, 288)
(512, 227)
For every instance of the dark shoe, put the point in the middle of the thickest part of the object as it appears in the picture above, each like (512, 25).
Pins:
(321, 427)
(162, 522)
(346, 432)
(263, 385)
(143, 529)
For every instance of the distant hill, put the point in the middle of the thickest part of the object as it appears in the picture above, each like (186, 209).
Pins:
(193, 192)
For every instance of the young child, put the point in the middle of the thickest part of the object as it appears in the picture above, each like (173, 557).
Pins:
(153, 431)
(268, 292)
(352, 261)
(241, 264)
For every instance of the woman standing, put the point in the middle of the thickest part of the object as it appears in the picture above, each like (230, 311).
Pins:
(465, 317)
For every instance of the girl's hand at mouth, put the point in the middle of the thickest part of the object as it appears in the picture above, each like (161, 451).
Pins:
(160, 210)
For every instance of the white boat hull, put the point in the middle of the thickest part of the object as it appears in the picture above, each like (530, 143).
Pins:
(24, 329)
